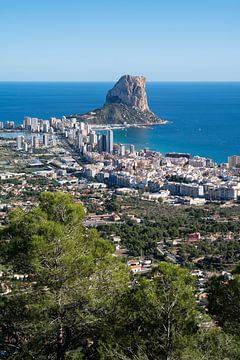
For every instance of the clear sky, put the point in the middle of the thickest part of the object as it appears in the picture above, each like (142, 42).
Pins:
(80, 40)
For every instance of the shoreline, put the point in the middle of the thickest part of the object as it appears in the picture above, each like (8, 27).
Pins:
(6, 134)
(127, 126)
(99, 126)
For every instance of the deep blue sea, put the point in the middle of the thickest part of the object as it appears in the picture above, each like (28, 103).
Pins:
(205, 117)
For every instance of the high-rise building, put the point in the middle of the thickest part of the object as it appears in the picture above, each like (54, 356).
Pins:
(46, 126)
(84, 149)
(122, 150)
(34, 124)
(88, 128)
(19, 142)
(104, 143)
(109, 140)
(73, 122)
(82, 126)
(100, 143)
(27, 123)
(54, 141)
(35, 142)
(45, 140)
(9, 125)
(79, 140)
(132, 149)
(53, 121)
(233, 161)
(1, 125)
(93, 138)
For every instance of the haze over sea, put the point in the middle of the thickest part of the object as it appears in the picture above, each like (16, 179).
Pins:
(205, 117)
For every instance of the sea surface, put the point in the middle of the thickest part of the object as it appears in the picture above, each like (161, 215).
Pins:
(204, 117)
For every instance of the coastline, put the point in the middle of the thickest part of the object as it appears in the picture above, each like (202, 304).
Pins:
(153, 126)
(100, 126)
(127, 126)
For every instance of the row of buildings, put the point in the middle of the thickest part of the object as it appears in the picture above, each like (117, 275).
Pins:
(36, 141)
(87, 140)
(121, 166)
(196, 178)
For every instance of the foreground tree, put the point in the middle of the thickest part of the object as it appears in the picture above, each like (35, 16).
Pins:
(211, 344)
(154, 317)
(72, 281)
(75, 301)
(224, 302)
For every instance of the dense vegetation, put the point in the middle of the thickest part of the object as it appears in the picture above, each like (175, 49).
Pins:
(164, 223)
(78, 301)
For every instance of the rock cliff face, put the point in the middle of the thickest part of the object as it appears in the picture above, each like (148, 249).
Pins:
(130, 91)
(126, 103)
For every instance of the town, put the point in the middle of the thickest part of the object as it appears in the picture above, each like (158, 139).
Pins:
(175, 178)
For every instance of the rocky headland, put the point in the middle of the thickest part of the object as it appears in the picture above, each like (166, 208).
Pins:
(126, 104)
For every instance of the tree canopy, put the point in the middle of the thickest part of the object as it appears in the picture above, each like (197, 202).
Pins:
(64, 295)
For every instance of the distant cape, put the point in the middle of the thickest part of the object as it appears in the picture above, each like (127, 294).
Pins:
(126, 103)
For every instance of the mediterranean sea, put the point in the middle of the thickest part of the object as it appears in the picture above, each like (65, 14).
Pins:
(204, 117)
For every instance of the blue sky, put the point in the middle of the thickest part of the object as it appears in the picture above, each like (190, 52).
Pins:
(81, 40)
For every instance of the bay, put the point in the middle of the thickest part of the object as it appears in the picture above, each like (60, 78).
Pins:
(204, 117)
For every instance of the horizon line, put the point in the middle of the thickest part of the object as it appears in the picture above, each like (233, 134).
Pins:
(107, 81)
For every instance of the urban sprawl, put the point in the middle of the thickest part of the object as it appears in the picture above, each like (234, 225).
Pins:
(90, 151)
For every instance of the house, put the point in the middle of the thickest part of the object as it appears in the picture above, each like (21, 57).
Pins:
(203, 299)
(136, 268)
(194, 237)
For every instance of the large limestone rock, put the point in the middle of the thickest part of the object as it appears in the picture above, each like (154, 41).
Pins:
(130, 91)
(126, 103)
